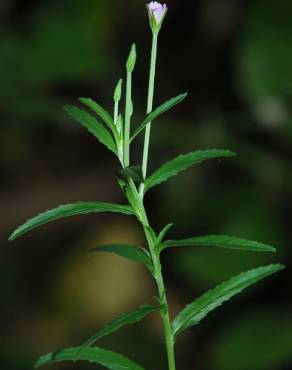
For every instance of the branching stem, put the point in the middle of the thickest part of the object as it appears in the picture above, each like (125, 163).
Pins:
(141, 209)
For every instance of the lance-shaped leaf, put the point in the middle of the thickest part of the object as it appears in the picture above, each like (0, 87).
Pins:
(151, 233)
(119, 322)
(193, 313)
(133, 253)
(102, 113)
(222, 241)
(157, 112)
(108, 359)
(163, 232)
(93, 126)
(68, 210)
(181, 163)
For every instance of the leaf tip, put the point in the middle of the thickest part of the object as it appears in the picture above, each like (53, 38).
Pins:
(14, 235)
(11, 237)
(268, 248)
(231, 153)
(276, 267)
(281, 267)
(182, 96)
(82, 99)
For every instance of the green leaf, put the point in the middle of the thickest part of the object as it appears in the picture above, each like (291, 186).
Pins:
(134, 172)
(193, 313)
(68, 210)
(181, 163)
(152, 234)
(125, 319)
(157, 112)
(163, 232)
(108, 359)
(133, 253)
(93, 126)
(222, 241)
(133, 197)
(101, 112)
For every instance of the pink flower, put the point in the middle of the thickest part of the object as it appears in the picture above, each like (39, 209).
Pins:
(156, 13)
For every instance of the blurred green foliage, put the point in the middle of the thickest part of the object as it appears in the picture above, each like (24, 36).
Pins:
(249, 341)
(265, 53)
(56, 47)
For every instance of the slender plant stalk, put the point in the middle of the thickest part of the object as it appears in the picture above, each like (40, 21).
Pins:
(149, 106)
(128, 113)
(120, 142)
(162, 296)
(158, 277)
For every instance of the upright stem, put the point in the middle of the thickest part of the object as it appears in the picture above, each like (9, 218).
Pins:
(128, 114)
(162, 296)
(160, 284)
(149, 106)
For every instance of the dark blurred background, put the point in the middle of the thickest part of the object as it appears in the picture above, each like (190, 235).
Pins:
(234, 58)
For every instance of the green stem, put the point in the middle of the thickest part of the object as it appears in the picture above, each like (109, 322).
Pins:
(162, 296)
(158, 277)
(116, 112)
(149, 106)
(128, 114)
(119, 140)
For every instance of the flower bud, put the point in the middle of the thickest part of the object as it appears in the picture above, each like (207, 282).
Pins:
(156, 12)
(118, 91)
(132, 59)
